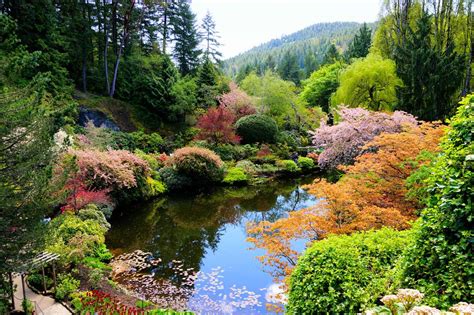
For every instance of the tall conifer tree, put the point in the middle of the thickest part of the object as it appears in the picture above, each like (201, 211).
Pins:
(186, 38)
(210, 37)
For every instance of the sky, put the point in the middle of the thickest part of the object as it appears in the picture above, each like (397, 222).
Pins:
(243, 24)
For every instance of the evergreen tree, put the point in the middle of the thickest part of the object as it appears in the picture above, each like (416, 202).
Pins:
(207, 81)
(38, 30)
(186, 38)
(430, 76)
(310, 64)
(25, 157)
(243, 73)
(210, 37)
(166, 11)
(332, 55)
(270, 63)
(359, 47)
(289, 69)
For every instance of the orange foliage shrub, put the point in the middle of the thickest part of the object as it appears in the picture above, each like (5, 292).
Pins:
(371, 194)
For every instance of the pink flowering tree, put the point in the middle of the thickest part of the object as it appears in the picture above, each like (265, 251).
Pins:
(238, 102)
(342, 143)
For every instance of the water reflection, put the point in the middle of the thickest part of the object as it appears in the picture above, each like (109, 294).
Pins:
(206, 231)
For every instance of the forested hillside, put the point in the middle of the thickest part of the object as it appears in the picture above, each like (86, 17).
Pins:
(308, 46)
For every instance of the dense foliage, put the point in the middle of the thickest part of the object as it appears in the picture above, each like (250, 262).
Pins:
(257, 129)
(440, 261)
(193, 166)
(370, 195)
(216, 126)
(369, 83)
(319, 87)
(346, 273)
(343, 142)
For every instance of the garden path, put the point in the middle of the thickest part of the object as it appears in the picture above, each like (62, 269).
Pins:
(44, 305)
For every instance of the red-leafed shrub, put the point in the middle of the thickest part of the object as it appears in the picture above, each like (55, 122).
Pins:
(81, 196)
(216, 126)
(238, 102)
(264, 151)
(98, 302)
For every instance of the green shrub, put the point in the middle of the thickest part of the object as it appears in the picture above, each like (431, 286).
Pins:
(289, 138)
(235, 175)
(92, 212)
(95, 263)
(257, 129)
(148, 143)
(139, 140)
(102, 253)
(143, 304)
(440, 262)
(28, 307)
(36, 281)
(74, 238)
(66, 285)
(201, 165)
(248, 166)
(346, 274)
(95, 276)
(229, 152)
(154, 187)
(288, 166)
(151, 159)
(173, 180)
(306, 163)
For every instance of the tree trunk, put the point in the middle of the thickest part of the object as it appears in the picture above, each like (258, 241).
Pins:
(165, 27)
(467, 82)
(114, 26)
(84, 47)
(123, 41)
(106, 49)
(116, 66)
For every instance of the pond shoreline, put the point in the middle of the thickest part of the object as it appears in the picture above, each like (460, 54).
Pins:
(205, 233)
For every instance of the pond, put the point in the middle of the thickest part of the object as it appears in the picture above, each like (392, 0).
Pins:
(206, 234)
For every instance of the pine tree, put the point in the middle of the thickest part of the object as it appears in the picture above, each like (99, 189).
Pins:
(310, 64)
(166, 11)
(210, 37)
(430, 76)
(288, 68)
(359, 47)
(332, 55)
(207, 80)
(25, 157)
(243, 72)
(270, 63)
(186, 38)
(38, 30)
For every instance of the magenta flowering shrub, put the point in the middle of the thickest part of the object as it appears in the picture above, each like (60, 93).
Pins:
(343, 142)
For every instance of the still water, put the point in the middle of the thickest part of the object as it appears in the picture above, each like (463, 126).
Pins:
(206, 233)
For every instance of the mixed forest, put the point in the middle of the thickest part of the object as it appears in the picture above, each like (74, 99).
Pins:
(110, 103)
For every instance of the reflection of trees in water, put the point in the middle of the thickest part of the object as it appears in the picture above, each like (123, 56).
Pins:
(184, 228)
(285, 201)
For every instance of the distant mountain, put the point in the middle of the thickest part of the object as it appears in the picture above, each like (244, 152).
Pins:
(314, 39)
